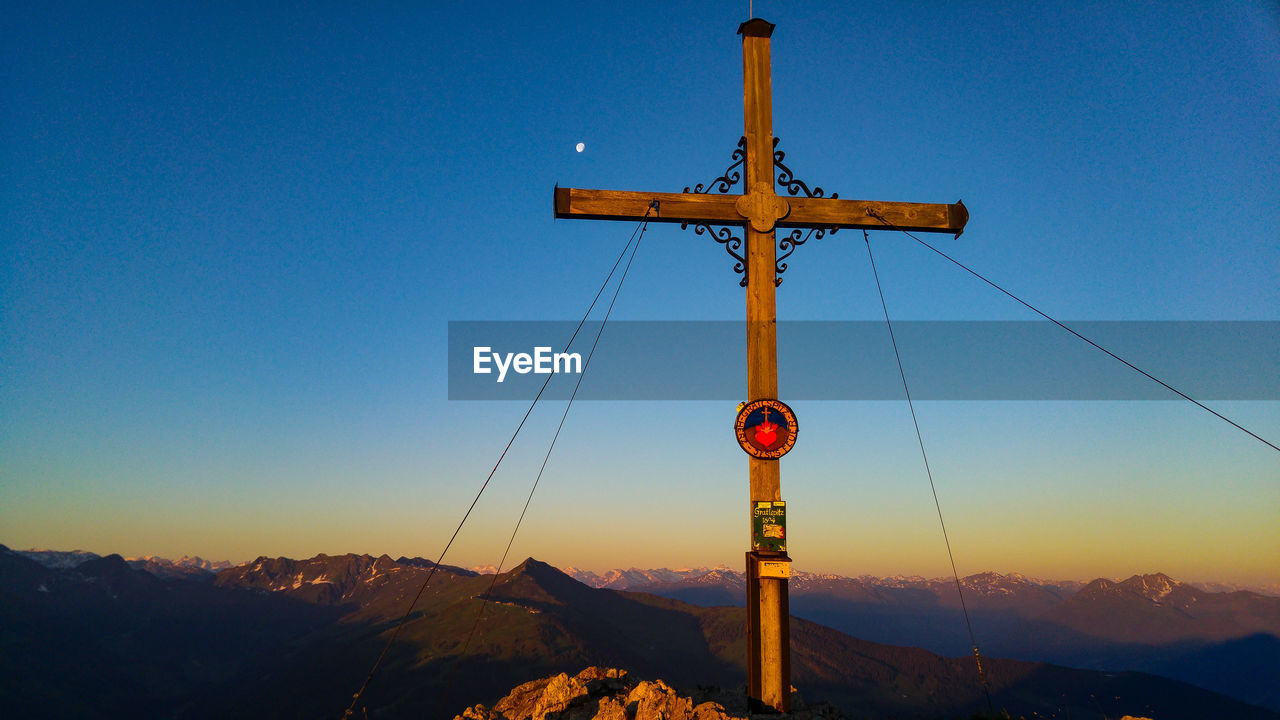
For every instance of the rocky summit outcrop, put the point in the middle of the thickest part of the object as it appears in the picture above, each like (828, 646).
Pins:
(599, 693)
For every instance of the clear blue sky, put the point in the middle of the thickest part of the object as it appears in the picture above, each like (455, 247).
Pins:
(233, 237)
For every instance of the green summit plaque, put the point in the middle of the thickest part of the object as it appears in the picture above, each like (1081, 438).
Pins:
(769, 526)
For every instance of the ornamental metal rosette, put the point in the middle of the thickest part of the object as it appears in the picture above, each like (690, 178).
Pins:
(723, 234)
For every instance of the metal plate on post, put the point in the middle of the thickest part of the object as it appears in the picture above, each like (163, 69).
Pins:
(774, 568)
(769, 526)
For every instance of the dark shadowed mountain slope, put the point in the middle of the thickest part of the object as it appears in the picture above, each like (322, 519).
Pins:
(294, 639)
(540, 622)
(105, 640)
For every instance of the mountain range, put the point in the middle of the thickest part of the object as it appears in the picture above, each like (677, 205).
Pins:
(294, 638)
(1224, 641)
(998, 583)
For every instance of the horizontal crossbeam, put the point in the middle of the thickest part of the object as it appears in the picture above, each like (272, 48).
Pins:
(626, 205)
(710, 209)
(861, 215)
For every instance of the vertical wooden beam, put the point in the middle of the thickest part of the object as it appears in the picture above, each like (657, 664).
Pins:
(762, 337)
(768, 641)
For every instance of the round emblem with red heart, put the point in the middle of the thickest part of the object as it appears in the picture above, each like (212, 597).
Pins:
(766, 428)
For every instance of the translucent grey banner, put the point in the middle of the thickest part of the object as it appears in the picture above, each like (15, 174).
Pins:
(853, 360)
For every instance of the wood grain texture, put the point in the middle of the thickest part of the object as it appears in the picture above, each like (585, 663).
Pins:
(632, 205)
(769, 643)
(724, 210)
(861, 214)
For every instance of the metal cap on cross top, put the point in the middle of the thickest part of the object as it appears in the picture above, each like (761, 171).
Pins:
(756, 210)
(756, 27)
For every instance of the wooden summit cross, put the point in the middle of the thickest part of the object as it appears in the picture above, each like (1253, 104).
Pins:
(760, 211)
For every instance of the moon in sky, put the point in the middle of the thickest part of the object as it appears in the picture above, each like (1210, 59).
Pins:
(580, 147)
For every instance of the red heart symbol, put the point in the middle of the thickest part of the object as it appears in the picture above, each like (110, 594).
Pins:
(766, 437)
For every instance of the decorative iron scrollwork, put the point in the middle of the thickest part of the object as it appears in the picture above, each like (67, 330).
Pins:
(730, 177)
(793, 240)
(797, 237)
(732, 244)
(787, 179)
(721, 234)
